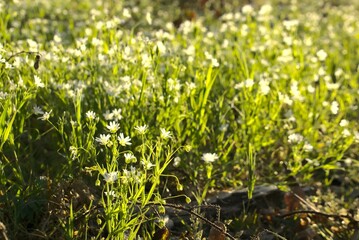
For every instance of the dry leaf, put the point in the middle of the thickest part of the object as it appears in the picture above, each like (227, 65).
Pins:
(216, 234)
(161, 234)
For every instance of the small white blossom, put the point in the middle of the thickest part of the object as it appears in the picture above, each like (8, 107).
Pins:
(3, 95)
(307, 147)
(266, 9)
(290, 24)
(344, 123)
(322, 55)
(339, 72)
(247, 9)
(104, 139)
(113, 126)
(141, 129)
(91, 115)
(111, 193)
(285, 98)
(310, 89)
(129, 157)
(264, 86)
(38, 82)
(45, 116)
(126, 13)
(147, 164)
(248, 83)
(295, 138)
(356, 136)
(215, 62)
(110, 177)
(123, 141)
(116, 114)
(74, 152)
(165, 134)
(37, 110)
(176, 161)
(209, 157)
(334, 107)
(108, 115)
(346, 132)
(161, 47)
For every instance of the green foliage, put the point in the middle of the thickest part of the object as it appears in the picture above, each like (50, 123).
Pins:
(110, 115)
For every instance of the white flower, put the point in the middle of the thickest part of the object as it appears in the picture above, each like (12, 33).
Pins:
(111, 193)
(307, 147)
(190, 50)
(104, 139)
(33, 46)
(344, 123)
(294, 90)
(38, 82)
(147, 164)
(129, 157)
(110, 177)
(176, 161)
(285, 98)
(74, 152)
(126, 13)
(310, 89)
(160, 46)
(113, 126)
(334, 107)
(248, 83)
(37, 110)
(266, 9)
(209, 157)
(215, 62)
(141, 129)
(3, 95)
(322, 55)
(165, 134)
(91, 115)
(107, 115)
(286, 56)
(116, 114)
(123, 141)
(247, 9)
(290, 24)
(45, 116)
(346, 132)
(295, 138)
(264, 86)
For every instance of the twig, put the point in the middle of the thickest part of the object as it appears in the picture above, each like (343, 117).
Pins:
(18, 53)
(319, 213)
(275, 234)
(179, 207)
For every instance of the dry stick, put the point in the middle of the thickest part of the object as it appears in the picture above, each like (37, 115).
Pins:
(18, 53)
(197, 215)
(319, 213)
(275, 234)
(217, 207)
(316, 211)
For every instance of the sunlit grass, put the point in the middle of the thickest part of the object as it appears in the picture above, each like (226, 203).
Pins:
(117, 98)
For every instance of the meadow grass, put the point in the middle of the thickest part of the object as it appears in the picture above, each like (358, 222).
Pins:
(110, 110)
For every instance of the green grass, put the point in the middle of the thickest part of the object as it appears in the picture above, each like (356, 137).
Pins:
(106, 117)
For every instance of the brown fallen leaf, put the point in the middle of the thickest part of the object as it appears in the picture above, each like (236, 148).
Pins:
(161, 234)
(215, 234)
